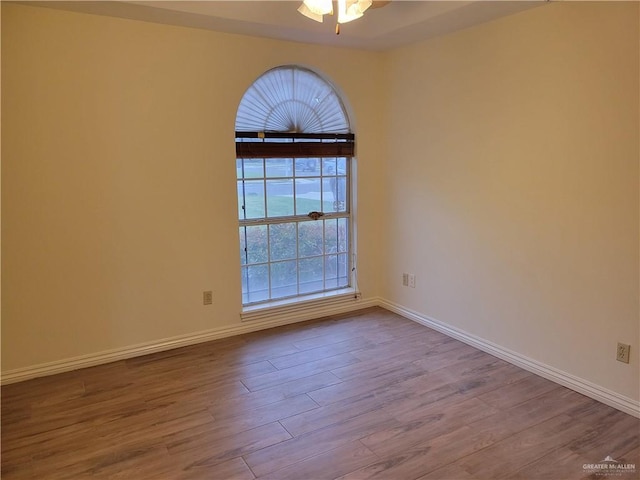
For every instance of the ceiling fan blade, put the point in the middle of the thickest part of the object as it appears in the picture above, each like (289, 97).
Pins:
(379, 3)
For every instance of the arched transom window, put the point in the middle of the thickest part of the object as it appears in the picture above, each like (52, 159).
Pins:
(293, 151)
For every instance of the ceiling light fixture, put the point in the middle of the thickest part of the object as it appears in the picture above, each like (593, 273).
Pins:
(348, 10)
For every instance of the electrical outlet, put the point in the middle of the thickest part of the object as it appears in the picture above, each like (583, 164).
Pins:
(405, 279)
(207, 297)
(623, 353)
(412, 280)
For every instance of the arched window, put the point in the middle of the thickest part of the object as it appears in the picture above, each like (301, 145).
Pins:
(293, 151)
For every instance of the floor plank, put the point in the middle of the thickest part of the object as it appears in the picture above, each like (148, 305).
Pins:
(260, 382)
(328, 465)
(299, 448)
(504, 458)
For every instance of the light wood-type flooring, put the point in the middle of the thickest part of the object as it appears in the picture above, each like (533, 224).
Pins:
(364, 395)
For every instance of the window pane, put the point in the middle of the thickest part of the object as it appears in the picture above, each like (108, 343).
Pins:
(279, 198)
(337, 271)
(328, 166)
(238, 168)
(327, 194)
(240, 193)
(256, 244)
(282, 241)
(343, 234)
(250, 168)
(332, 195)
(331, 236)
(340, 196)
(307, 195)
(331, 271)
(343, 270)
(334, 184)
(245, 288)
(335, 194)
(279, 167)
(284, 279)
(250, 199)
(243, 246)
(311, 275)
(307, 167)
(310, 238)
(256, 285)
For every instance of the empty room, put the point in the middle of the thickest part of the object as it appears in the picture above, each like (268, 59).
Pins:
(320, 240)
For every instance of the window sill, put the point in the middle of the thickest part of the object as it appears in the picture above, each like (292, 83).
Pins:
(303, 308)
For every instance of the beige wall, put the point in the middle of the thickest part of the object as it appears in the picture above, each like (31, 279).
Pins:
(510, 181)
(513, 185)
(118, 176)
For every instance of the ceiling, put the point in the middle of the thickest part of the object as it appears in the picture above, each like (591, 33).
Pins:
(398, 23)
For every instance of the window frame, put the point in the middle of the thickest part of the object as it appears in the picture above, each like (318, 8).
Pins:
(317, 146)
(292, 113)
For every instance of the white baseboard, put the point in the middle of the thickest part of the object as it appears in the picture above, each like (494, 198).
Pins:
(288, 314)
(608, 397)
(273, 318)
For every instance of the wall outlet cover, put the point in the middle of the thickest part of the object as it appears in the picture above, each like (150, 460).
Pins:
(207, 297)
(623, 352)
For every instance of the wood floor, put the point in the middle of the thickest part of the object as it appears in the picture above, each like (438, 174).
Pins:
(365, 395)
